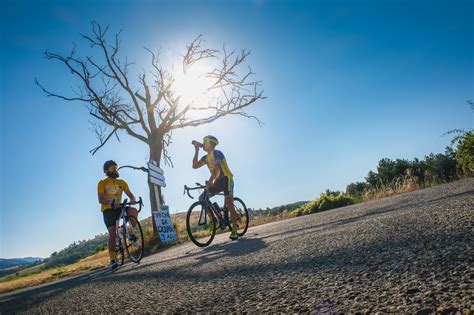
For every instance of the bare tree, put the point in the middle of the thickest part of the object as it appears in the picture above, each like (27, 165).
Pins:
(153, 109)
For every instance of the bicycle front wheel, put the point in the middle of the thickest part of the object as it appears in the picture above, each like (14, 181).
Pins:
(200, 224)
(133, 239)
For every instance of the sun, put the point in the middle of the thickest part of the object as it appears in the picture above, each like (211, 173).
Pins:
(193, 86)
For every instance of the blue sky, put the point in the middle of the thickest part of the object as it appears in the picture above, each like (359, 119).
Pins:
(348, 83)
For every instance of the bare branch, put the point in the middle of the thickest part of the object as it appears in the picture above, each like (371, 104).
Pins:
(111, 112)
(116, 71)
(144, 169)
(237, 91)
(50, 94)
(195, 53)
(100, 133)
(106, 89)
(166, 143)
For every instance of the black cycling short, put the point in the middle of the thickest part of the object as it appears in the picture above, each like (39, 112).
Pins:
(111, 216)
(223, 184)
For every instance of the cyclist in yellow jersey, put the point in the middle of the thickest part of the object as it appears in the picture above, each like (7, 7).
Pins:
(110, 192)
(221, 179)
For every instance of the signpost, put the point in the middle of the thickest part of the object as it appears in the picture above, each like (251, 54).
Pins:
(156, 175)
(162, 216)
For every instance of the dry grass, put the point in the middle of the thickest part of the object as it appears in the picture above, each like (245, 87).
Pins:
(401, 185)
(93, 262)
(259, 220)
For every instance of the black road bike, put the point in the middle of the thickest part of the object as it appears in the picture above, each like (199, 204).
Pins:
(204, 217)
(128, 234)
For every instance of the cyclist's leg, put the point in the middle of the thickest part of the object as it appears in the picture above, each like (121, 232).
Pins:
(226, 185)
(111, 242)
(132, 212)
(110, 218)
(229, 200)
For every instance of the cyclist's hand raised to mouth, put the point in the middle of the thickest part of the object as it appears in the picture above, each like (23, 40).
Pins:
(196, 162)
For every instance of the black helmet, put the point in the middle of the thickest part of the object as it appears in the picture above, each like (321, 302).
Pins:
(211, 139)
(109, 163)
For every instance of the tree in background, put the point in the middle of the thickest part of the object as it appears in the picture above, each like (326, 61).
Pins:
(441, 167)
(155, 106)
(465, 147)
(459, 133)
(356, 189)
(465, 154)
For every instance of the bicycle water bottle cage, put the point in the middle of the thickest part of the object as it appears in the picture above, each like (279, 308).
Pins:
(226, 214)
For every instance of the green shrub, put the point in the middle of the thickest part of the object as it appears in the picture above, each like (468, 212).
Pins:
(465, 153)
(326, 201)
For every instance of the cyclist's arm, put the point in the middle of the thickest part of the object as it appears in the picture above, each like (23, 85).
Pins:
(103, 199)
(130, 195)
(197, 163)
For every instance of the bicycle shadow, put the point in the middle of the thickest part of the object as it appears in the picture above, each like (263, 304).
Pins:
(244, 246)
(232, 249)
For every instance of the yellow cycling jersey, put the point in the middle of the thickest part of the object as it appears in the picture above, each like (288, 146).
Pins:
(113, 189)
(216, 159)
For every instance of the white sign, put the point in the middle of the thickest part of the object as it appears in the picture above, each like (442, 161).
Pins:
(155, 168)
(155, 175)
(164, 225)
(157, 181)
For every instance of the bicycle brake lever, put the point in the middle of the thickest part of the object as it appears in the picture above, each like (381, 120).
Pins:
(140, 202)
(190, 195)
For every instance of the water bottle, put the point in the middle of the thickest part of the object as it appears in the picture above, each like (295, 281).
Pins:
(216, 206)
(199, 144)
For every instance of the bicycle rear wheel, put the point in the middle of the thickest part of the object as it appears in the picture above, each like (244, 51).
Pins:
(243, 216)
(200, 224)
(133, 239)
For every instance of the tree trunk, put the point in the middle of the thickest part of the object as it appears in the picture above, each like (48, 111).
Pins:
(155, 155)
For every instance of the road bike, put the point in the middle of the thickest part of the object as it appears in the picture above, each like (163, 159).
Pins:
(128, 234)
(204, 217)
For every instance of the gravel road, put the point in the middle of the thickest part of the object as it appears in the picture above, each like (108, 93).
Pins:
(407, 253)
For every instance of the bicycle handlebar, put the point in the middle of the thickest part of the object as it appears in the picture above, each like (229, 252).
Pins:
(126, 203)
(187, 189)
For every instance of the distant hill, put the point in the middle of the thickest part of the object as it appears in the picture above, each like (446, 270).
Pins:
(77, 250)
(11, 262)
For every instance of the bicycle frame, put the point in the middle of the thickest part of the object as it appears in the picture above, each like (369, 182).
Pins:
(208, 206)
(123, 216)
